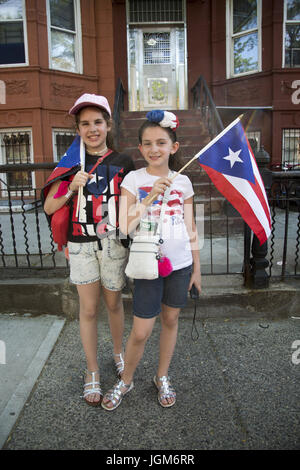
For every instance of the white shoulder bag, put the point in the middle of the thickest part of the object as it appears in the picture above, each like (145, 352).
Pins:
(144, 254)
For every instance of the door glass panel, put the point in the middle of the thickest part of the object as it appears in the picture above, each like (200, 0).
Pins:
(157, 75)
(157, 48)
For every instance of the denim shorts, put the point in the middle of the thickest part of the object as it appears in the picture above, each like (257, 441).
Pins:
(89, 264)
(171, 290)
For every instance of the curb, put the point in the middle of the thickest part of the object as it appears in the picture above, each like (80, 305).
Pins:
(222, 296)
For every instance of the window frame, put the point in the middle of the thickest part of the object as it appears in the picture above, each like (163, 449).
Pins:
(255, 135)
(285, 22)
(24, 20)
(77, 41)
(290, 133)
(3, 176)
(56, 131)
(230, 40)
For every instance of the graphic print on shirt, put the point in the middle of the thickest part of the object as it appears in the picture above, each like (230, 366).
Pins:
(100, 202)
(175, 205)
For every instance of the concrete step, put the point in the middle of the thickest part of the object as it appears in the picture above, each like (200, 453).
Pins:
(186, 140)
(191, 132)
(223, 296)
(187, 150)
(182, 114)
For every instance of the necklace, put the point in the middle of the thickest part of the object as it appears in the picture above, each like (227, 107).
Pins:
(100, 152)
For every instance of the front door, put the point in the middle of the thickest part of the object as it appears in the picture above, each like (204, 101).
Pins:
(157, 68)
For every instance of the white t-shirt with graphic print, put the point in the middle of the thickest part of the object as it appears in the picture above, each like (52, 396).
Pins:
(176, 245)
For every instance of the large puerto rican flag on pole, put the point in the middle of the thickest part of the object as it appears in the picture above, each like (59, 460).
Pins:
(229, 162)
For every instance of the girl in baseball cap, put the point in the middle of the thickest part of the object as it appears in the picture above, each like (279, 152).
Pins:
(97, 250)
(88, 99)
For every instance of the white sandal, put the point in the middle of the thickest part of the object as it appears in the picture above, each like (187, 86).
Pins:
(115, 395)
(95, 389)
(119, 365)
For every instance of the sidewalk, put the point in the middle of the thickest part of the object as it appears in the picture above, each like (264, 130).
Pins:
(237, 386)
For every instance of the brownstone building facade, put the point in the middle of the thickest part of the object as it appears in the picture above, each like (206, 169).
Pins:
(52, 51)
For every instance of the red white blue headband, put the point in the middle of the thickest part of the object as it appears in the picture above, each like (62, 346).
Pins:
(163, 118)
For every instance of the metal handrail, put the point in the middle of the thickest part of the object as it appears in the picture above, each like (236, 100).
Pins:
(27, 166)
(203, 100)
(118, 107)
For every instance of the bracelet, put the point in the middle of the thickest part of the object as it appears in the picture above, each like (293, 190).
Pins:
(69, 193)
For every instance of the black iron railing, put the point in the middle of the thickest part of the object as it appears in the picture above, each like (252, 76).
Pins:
(203, 100)
(118, 108)
(227, 245)
(284, 197)
(26, 242)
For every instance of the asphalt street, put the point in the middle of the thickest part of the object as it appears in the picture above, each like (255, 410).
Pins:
(237, 381)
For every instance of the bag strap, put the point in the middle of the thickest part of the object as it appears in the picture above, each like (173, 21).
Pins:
(100, 160)
(164, 206)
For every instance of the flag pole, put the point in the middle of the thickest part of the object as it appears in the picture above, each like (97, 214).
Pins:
(80, 189)
(202, 151)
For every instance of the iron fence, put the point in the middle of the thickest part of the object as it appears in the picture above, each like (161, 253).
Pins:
(26, 242)
(226, 243)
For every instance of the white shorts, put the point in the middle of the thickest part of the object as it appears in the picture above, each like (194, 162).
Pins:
(89, 264)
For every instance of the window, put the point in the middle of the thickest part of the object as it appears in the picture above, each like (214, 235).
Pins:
(16, 148)
(62, 139)
(291, 146)
(159, 11)
(64, 35)
(254, 140)
(291, 33)
(243, 37)
(13, 47)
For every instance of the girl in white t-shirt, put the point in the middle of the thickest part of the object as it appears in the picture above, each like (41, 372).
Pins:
(165, 295)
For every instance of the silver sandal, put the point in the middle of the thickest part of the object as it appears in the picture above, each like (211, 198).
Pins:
(119, 365)
(115, 395)
(95, 389)
(165, 390)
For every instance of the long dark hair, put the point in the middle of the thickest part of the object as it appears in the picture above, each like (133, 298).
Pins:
(110, 134)
(175, 160)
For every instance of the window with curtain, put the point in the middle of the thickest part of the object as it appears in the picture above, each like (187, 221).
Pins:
(12, 32)
(292, 33)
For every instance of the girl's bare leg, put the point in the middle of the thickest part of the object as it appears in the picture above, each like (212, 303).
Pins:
(114, 305)
(89, 297)
(168, 337)
(140, 332)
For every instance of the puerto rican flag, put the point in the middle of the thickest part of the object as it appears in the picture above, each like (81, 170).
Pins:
(229, 162)
(68, 164)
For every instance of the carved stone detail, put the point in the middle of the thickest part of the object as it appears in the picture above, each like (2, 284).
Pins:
(69, 91)
(17, 87)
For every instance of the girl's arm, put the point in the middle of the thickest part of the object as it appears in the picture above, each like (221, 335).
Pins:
(189, 220)
(132, 211)
(52, 205)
